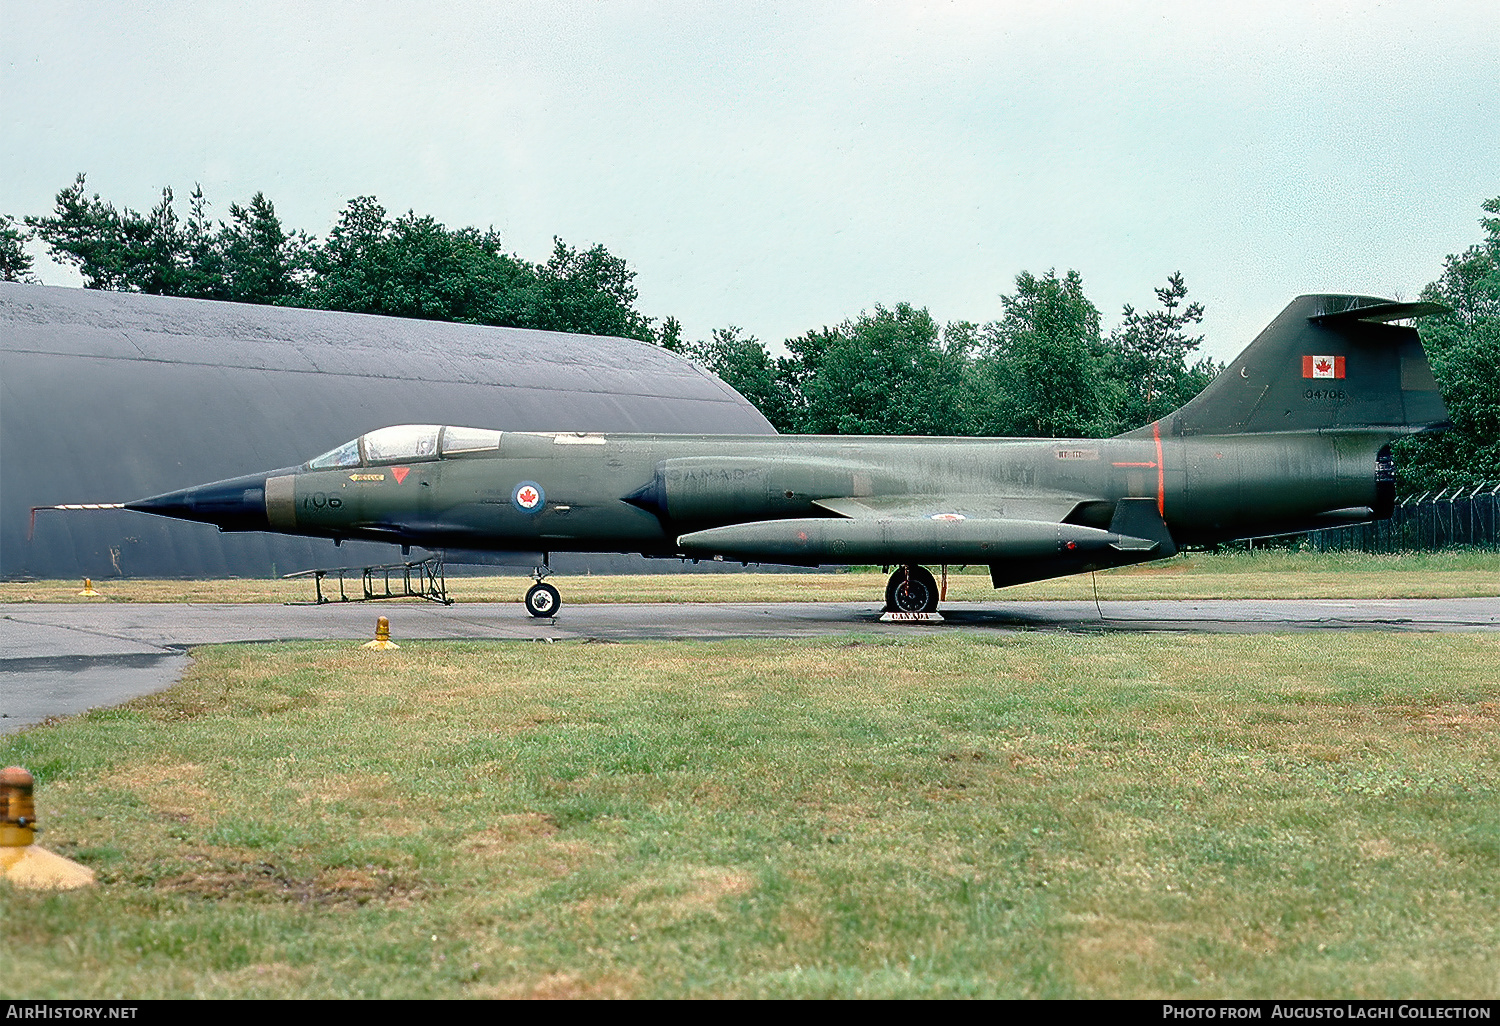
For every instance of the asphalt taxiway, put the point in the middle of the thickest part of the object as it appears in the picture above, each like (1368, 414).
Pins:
(62, 659)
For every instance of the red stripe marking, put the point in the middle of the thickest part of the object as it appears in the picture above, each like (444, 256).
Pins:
(1161, 473)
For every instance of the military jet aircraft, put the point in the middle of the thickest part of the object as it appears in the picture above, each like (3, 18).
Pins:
(1294, 435)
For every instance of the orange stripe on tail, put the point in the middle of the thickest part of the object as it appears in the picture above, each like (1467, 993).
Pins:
(1161, 473)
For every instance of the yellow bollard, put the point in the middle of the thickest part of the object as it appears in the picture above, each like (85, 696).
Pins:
(88, 589)
(23, 863)
(17, 808)
(382, 636)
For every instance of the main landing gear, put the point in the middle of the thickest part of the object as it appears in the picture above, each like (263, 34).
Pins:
(542, 600)
(911, 589)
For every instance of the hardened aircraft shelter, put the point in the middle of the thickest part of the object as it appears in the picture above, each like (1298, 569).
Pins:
(107, 397)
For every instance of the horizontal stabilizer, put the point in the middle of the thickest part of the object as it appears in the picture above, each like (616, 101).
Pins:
(1380, 313)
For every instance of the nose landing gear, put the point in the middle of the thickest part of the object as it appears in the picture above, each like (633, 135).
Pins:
(911, 589)
(542, 600)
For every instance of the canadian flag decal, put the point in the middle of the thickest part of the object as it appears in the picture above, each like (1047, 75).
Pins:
(1322, 366)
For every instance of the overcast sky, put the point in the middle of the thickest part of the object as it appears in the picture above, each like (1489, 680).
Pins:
(783, 166)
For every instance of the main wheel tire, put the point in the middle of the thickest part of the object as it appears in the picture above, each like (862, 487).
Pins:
(543, 600)
(911, 589)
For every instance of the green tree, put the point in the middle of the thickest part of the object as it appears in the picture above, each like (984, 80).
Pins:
(203, 277)
(15, 262)
(410, 267)
(256, 259)
(251, 259)
(416, 267)
(668, 335)
(1150, 351)
(1041, 370)
(745, 365)
(883, 373)
(591, 292)
(115, 249)
(1463, 347)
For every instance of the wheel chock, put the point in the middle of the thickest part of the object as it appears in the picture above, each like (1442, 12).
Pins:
(382, 636)
(22, 862)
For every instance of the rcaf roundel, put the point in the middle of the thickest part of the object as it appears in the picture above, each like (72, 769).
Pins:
(1322, 366)
(528, 497)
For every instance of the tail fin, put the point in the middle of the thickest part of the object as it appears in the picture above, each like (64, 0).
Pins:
(1327, 362)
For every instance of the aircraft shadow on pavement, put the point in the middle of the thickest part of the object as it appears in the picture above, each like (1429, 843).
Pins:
(1021, 618)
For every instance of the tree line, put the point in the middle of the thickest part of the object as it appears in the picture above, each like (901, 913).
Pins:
(1463, 347)
(1046, 367)
(408, 266)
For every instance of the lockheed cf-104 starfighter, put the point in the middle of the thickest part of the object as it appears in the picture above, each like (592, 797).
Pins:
(1293, 435)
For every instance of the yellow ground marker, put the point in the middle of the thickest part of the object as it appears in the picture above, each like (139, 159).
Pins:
(22, 862)
(382, 636)
(88, 589)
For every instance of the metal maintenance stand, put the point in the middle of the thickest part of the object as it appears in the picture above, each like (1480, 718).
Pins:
(376, 581)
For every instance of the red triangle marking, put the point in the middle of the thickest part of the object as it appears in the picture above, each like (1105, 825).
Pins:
(400, 473)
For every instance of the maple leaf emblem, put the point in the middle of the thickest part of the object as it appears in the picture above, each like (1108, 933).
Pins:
(528, 496)
(1324, 366)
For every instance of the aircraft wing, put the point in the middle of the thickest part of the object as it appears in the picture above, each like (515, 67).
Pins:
(1040, 507)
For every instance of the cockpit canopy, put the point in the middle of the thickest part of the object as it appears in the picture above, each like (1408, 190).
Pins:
(407, 443)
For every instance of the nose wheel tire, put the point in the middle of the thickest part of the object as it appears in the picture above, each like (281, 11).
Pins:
(912, 589)
(543, 600)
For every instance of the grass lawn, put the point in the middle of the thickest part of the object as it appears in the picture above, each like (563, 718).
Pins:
(1035, 815)
(1271, 573)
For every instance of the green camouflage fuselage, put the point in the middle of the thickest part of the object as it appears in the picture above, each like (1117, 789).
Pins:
(1293, 435)
(1208, 489)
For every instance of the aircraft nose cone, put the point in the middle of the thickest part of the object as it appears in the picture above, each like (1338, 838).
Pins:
(238, 504)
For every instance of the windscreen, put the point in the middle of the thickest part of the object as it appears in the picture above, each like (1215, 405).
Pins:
(346, 455)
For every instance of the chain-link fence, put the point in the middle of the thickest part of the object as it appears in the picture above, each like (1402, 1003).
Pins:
(1464, 516)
